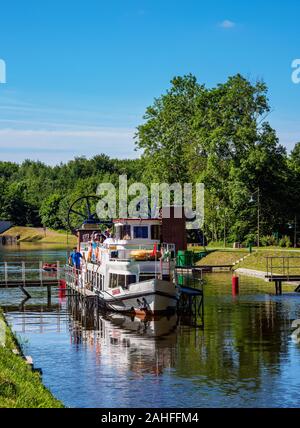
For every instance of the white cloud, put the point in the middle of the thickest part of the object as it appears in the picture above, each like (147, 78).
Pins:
(227, 24)
(54, 146)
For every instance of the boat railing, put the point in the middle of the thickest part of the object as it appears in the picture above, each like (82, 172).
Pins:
(78, 279)
(127, 254)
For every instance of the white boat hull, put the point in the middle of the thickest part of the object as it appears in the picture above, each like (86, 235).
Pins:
(149, 297)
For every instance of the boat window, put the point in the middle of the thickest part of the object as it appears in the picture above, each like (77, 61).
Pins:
(130, 279)
(155, 231)
(114, 254)
(113, 280)
(140, 232)
(123, 232)
(117, 280)
(146, 277)
(121, 281)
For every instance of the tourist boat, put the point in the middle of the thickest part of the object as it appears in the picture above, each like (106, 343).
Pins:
(131, 271)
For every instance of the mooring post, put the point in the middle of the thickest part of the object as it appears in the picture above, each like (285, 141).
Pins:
(278, 288)
(48, 295)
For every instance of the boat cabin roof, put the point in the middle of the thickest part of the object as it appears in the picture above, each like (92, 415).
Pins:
(136, 221)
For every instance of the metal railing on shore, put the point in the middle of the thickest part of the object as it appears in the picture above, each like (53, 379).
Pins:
(29, 271)
(284, 266)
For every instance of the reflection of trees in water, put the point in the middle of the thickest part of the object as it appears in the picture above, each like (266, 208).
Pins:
(239, 341)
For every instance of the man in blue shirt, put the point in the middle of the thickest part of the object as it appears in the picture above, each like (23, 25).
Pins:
(75, 257)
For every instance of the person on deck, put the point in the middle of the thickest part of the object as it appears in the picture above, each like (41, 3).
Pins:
(107, 233)
(75, 257)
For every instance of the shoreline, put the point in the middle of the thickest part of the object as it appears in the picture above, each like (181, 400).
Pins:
(20, 385)
(39, 235)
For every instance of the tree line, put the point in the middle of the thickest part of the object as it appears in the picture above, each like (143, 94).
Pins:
(218, 136)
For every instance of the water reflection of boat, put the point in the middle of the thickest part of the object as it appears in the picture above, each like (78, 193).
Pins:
(159, 327)
(123, 342)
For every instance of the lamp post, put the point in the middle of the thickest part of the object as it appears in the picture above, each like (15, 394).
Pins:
(258, 213)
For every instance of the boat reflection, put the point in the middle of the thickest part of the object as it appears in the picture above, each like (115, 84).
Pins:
(141, 345)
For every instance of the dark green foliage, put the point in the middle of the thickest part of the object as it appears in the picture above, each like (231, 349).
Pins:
(35, 194)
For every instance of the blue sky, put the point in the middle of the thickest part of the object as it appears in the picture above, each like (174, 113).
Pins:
(80, 74)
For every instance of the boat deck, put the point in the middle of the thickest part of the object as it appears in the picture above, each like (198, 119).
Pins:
(82, 290)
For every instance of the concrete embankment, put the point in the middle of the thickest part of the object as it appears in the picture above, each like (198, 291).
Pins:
(251, 272)
(256, 274)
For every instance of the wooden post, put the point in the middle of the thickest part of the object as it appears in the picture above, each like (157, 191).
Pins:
(48, 295)
(278, 288)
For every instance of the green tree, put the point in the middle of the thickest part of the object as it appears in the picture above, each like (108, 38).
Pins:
(50, 213)
(168, 131)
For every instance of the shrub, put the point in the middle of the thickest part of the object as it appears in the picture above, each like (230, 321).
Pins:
(268, 240)
(288, 242)
(282, 242)
(250, 239)
(285, 242)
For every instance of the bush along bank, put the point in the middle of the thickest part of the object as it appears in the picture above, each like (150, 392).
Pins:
(20, 386)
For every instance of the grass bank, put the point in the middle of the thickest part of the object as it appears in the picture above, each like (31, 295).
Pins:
(19, 386)
(258, 260)
(39, 235)
(222, 257)
(255, 261)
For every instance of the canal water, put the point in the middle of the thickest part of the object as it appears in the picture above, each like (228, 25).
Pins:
(243, 356)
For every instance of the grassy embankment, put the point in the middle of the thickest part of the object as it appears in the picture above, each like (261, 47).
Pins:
(255, 261)
(222, 257)
(20, 387)
(38, 235)
(258, 260)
